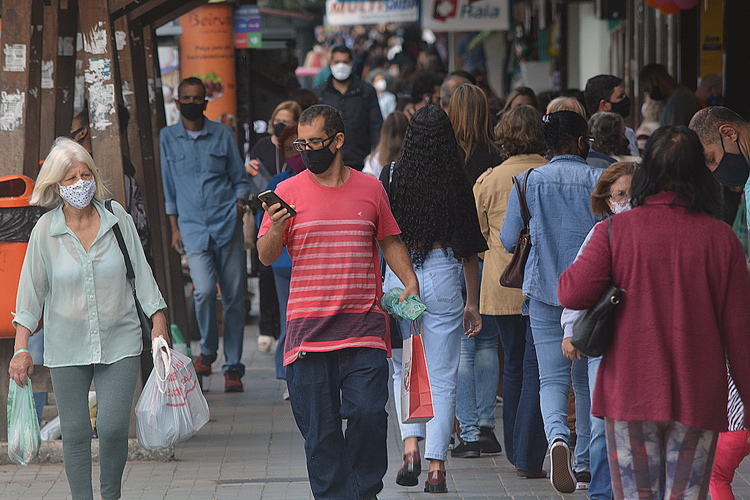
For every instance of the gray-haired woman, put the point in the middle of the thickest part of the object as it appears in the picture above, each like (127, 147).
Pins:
(73, 276)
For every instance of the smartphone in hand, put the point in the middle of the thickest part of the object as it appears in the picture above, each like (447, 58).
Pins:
(270, 198)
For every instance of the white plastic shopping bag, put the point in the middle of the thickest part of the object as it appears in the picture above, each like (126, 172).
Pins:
(171, 407)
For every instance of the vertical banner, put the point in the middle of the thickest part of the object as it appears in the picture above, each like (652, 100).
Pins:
(207, 45)
(712, 38)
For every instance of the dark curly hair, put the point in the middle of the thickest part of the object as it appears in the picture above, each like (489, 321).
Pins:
(673, 161)
(561, 129)
(430, 197)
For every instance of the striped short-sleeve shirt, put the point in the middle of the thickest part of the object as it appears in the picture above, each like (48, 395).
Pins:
(335, 291)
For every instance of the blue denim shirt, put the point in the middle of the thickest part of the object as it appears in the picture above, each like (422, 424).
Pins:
(203, 178)
(559, 198)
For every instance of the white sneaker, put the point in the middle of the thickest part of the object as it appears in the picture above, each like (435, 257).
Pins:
(264, 343)
(562, 478)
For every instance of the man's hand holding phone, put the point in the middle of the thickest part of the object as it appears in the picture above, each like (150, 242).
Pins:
(278, 210)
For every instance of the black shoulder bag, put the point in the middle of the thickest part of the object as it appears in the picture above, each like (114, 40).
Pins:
(594, 329)
(146, 323)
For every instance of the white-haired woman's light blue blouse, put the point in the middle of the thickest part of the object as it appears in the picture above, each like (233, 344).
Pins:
(85, 297)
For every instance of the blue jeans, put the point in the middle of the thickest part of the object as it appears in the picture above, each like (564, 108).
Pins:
(227, 263)
(324, 389)
(478, 373)
(600, 487)
(440, 290)
(282, 276)
(529, 441)
(554, 381)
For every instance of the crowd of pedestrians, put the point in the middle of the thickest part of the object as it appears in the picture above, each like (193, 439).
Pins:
(407, 181)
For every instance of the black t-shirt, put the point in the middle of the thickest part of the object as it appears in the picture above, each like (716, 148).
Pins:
(480, 160)
(467, 238)
(268, 154)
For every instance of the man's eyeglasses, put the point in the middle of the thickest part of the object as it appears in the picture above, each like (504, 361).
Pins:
(315, 144)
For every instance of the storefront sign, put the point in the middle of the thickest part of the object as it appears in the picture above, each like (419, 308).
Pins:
(208, 54)
(343, 12)
(466, 15)
(247, 32)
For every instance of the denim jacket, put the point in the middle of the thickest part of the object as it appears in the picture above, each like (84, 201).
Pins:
(559, 198)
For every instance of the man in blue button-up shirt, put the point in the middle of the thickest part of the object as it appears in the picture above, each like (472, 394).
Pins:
(205, 193)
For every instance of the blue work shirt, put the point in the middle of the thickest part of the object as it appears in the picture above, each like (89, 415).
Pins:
(284, 259)
(559, 198)
(203, 178)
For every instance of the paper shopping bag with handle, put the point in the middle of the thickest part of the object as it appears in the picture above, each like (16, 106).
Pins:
(416, 395)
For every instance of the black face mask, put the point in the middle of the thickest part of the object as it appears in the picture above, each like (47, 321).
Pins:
(278, 129)
(191, 111)
(656, 94)
(622, 108)
(733, 170)
(318, 161)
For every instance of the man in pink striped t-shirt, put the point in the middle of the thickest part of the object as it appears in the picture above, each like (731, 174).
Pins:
(337, 339)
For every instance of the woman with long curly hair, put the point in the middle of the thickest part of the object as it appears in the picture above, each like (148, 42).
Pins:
(434, 207)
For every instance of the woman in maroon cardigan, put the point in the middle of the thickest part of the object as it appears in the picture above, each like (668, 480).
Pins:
(662, 386)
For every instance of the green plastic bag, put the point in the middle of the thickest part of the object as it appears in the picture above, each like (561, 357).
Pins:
(24, 438)
(409, 310)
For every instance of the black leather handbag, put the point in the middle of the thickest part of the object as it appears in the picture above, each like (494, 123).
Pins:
(512, 276)
(594, 329)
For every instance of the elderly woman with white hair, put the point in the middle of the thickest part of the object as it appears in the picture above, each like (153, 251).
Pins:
(73, 276)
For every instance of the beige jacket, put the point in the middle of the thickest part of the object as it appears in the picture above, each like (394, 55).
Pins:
(491, 192)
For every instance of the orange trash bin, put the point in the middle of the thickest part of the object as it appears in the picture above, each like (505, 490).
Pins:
(17, 219)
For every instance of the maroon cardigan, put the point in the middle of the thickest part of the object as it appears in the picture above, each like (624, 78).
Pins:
(686, 300)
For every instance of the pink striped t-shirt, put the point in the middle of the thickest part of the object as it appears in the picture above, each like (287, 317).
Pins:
(334, 296)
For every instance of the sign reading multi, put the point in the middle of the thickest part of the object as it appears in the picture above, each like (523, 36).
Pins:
(347, 12)
(466, 15)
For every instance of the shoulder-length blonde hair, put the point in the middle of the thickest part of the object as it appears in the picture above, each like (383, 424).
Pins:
(392, 137)
(64, 154)
(292, 106)
(469, 113)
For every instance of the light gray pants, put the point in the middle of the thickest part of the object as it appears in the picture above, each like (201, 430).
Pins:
(115, 386)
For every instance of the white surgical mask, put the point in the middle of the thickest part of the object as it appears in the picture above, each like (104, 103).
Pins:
(379, 85)
(341, 71)
(619, 207)
(80, 194)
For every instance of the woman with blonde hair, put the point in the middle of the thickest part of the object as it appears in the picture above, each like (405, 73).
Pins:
(469, 113)
(265, 154)
(266, 162)
(73, 276)
(391, 139)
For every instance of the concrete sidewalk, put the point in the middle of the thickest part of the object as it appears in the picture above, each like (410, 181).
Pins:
(251, 449)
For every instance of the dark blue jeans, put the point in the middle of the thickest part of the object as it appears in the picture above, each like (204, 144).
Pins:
(512, 330)
(324, 389)
(529, 440)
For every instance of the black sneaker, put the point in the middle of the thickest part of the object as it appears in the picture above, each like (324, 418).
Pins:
(488, 443)
(466, 450)
(583, 478)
